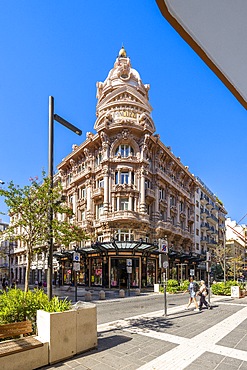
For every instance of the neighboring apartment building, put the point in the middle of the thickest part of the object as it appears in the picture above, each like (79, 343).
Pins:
(236, 247)
(210, 217)
(4, 253)
(131, 194)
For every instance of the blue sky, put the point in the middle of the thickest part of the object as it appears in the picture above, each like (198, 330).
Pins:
(63, 47)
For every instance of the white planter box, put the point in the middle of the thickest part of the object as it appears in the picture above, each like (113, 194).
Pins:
(68, 332)
(235, 292)
(156, 288)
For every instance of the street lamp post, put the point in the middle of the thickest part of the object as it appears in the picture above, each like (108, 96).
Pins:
(71, 127)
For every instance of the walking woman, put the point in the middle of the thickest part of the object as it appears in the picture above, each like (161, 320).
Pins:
(192, 289)
(203, 292)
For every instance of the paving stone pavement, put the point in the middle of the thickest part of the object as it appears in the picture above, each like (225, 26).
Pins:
(211, 339)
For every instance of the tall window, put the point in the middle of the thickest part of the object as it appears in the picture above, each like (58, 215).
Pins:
(82, 193)
(147, 184)
(125, 150)
(122, 177)
(123, 204)
(124, 235)
(99, 210)
(98, 159)
(161, 193)
(100, 183)
(69, 178)
(172, 200)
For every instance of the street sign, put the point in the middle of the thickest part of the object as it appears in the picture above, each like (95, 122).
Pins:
(76, 266)
(192, 272)
(129, 269)
(208, 256)
(163, 257)
(129, 262)
(165, 264)
(163, 246)
(208, 266)
(76, 257)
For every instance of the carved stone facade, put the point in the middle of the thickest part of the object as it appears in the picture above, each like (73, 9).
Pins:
(123, 182)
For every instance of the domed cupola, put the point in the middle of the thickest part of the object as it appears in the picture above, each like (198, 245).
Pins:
(123, 98)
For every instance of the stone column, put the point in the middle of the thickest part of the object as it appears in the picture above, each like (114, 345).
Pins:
(89, 197)
(142, 192)
(106, 189)
(168, 206)
(178, 210)
(130, 202)
(156, 212)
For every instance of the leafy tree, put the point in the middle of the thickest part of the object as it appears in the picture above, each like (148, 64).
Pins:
(28, 208)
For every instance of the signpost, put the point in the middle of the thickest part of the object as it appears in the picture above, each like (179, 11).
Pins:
(208, 269)
(164, 264)
(129, 271)
(76, 267)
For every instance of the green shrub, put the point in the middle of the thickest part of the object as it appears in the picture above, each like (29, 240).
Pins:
(16, 305)
(184, 286)
(172, 283)
(223, 288)
(173, 286)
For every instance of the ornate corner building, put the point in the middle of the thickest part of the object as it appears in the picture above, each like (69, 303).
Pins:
(129, 191)
(131, 195)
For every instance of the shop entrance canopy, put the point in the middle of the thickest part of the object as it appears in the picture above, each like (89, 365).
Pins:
(216, 30)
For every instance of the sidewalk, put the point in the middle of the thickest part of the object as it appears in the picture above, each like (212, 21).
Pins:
(211, 339)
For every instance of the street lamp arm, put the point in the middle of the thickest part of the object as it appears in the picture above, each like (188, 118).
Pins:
(67, 124)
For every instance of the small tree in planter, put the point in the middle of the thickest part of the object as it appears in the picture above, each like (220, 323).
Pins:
(28, 208)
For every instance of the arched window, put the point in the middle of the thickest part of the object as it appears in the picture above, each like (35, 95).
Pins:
(125, 150)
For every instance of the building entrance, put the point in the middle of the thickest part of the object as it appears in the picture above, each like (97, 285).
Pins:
(120, 276)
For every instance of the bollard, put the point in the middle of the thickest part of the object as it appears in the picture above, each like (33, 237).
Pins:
(121, 293)
(88, 296)
(138, 291)
(102, 294)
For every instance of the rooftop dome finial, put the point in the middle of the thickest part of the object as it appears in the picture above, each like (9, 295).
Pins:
(122, 53)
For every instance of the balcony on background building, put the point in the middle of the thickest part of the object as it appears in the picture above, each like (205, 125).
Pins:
(204, 226)
(209, 205)
(212, 218)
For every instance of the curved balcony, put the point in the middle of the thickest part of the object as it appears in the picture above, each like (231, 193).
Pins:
(98, 193)
(81, 202)
(126, 216)
(182, 214)
(150, 195)
(173, 209)
(164, 226)
(163, 202)
(191, 218)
